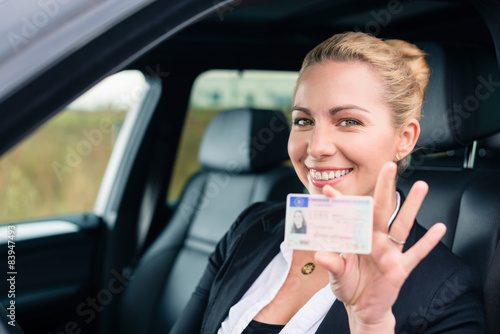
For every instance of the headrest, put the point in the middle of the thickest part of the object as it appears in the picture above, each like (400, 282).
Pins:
(245, 140)
(462, 100)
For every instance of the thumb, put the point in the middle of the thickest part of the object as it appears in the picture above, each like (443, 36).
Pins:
(333, 262)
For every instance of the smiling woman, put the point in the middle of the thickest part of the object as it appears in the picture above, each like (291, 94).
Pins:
(355, 117)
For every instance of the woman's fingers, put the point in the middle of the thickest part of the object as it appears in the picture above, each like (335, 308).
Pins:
(342, 281)
(415, 254)
(331, 261)
(383, 196)
(401, 226)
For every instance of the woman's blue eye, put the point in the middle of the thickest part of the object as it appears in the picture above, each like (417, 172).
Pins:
(302, 122)
(349, 122)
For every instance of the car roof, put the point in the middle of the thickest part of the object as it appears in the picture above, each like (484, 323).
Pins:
(34, 38)
(68, 53)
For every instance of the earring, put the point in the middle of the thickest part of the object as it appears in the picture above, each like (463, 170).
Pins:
(398, 157)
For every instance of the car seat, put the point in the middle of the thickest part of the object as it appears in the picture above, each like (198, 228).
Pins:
(461, 106)
(242, 155)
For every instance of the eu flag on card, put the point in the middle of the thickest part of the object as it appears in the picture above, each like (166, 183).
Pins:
(301, 202)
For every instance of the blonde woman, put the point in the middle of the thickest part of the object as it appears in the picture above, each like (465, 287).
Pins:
(356, 110)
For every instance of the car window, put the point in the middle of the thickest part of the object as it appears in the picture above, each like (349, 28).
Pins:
(58, 169)
(217, 90)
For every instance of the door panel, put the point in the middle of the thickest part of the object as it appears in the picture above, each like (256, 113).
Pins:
(50, 271)
(50, 221)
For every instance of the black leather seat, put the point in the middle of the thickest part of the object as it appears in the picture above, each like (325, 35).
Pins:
(242, 156)
(461, 107)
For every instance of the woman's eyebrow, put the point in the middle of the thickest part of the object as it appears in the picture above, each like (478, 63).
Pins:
(332, 111)
(304, 110)
(335, 110)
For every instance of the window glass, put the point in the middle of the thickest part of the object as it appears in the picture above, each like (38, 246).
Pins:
(218, 90)
(58, 169)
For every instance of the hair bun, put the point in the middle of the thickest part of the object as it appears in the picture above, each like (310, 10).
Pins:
(415, 59)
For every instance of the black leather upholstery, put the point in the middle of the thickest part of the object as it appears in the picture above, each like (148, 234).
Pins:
(243, 147)
(461, 107)
(445, 129)
(462, 98)
(492, 300)
(242, 154)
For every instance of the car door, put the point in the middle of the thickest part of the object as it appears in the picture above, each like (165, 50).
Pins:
(61, 274)
(56, 184)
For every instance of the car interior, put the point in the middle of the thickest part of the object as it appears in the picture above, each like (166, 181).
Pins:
(131, 264)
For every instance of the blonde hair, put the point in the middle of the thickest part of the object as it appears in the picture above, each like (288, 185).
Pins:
(402, 67)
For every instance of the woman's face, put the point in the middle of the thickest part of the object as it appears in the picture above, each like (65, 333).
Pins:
(342, 131)
(298, 219)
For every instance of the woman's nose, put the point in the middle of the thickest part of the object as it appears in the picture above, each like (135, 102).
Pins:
(321, 143)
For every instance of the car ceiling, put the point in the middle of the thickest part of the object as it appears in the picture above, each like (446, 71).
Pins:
(238, 34)
(277, 34)
(411, 18)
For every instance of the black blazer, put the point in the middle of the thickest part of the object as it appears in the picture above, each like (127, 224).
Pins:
(440, 295)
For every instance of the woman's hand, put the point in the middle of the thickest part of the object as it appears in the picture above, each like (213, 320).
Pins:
(369, 284)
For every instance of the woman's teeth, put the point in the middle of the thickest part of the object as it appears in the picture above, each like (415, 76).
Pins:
(324, 176)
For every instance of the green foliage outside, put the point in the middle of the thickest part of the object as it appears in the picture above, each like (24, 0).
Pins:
(58, 169)
(47, 174)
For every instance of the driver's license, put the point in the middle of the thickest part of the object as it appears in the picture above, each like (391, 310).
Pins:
(336, 224)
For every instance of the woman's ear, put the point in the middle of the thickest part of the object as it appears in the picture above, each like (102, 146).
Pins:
(408, 137)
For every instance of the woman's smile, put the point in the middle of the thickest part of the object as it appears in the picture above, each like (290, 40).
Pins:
(321, 176)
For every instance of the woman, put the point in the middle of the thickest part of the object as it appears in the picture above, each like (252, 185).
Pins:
(355, 117)
(299, 223)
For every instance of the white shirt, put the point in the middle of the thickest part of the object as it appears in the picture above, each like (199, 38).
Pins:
(266, 287)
